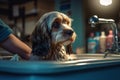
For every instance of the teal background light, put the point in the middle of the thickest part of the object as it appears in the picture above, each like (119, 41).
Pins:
(78, 20)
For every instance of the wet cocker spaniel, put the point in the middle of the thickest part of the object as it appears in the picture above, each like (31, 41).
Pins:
(52, 37)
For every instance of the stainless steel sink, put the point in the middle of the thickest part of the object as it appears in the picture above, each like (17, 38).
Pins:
(5, 57)
(79, 67)
(94, 56)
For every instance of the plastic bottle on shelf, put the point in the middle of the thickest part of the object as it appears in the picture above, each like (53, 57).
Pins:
(109, 40)
(102, 42)
(91, 43)
(97, 38)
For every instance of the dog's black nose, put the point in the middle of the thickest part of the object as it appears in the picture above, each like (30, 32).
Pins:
(69, 32)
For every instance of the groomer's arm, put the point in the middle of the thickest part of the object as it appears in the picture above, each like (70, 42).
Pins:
(14, 45)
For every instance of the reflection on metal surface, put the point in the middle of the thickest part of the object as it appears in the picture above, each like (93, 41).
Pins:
(81, 63)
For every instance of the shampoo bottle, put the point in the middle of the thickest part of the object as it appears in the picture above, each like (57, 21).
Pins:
(97, 38)
(109, 40)
(102, 42)
(91, 43)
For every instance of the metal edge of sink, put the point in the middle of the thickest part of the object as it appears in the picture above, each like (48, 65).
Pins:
(45, 67)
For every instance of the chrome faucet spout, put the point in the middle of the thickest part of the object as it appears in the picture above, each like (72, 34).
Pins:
(95, 20)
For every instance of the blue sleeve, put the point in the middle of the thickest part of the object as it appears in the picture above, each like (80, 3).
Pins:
(5, 31)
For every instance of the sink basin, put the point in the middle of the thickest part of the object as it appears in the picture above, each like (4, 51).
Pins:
(79, 67)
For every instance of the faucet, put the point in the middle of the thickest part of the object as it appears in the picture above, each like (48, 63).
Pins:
(115, 47)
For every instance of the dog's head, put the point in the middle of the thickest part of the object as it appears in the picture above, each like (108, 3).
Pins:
(53, 28)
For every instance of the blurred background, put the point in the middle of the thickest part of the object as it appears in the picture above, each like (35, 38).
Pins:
(22, 15)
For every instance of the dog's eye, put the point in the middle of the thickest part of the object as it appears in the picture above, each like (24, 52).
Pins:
(56, 25)
(65, 22)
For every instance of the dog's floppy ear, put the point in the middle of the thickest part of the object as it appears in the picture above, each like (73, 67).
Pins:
(69, 49)
(41, 38)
